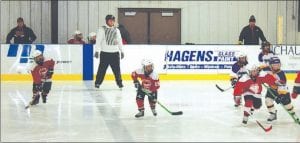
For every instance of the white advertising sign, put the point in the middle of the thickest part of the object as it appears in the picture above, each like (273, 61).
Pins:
(68, 58)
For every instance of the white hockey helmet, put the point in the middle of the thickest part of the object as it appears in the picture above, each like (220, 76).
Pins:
(252, 67)
(36, 53)
(146, 62)
(241, 54)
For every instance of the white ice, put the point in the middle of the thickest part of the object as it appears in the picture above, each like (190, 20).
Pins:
(76, 112)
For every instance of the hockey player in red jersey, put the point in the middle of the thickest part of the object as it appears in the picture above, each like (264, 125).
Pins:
(41, 71)
(280, 91)
(149, 81)
(296, 88)
(250, 86)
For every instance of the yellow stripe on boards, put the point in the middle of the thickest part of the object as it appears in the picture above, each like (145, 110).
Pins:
(28, 77)
(74, 77)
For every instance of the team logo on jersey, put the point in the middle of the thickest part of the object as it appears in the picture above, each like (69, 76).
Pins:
(43, 71)
(254, 88)
(25, 51)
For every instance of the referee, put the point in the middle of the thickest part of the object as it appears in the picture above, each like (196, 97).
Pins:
(109, 45)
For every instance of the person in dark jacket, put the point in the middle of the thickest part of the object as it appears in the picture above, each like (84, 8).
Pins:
(124, 34)
(251, 33)
(21, 34)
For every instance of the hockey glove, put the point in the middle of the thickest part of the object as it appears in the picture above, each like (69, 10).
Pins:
(279, 99)
(233, 81)
(122, 55)
(49, 72)
(296, 91)
(96, 55)
(137, 84)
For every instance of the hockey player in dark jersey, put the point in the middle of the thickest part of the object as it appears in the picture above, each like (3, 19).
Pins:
(278, 93)
(265, 55)
(237, 70)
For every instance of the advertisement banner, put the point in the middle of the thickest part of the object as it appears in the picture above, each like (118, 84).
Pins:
(16, 59)
(289, 56)
(203, 58)
(200, 59)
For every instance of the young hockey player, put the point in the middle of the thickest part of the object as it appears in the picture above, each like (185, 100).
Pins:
(280, 91)
(237, 70)
(296, 88)
(265, 55)
(149, 81)
(41, 71)
(250, 86)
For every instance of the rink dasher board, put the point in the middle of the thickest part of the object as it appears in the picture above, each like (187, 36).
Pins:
(172, 62)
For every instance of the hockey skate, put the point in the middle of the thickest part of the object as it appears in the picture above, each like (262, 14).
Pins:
(140, 114)
(272, 116)
(44, 97)
(154, 112)
(35, 100)
(97, 85)
(120, 85)
(245, 120)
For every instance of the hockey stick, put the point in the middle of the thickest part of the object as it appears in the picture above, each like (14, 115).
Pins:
(147, 92)
(29, 104)
(222, 90)
(266, 129)
(294, 116)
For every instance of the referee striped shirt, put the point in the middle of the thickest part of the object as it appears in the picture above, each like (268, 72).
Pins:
(109, 39)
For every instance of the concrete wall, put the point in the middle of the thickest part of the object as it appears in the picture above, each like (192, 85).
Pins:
(203, 22)
(36, 15)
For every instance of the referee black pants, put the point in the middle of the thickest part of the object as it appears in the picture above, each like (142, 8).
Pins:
(106, 59)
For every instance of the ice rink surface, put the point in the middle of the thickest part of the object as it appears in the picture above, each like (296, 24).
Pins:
(76, 112)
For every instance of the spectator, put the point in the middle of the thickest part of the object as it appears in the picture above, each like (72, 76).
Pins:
(78, 38)
(92, 38)
(21, 34)
(109, 45)
(251, 33)
(124, 34)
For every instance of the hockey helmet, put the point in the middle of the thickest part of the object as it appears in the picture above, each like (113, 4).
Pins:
(38, 57)
(146, 62)
(274, 60)
(253, 71)
(265, 44)
(241, 54)
(36, 53)
(148, 66)
(275, 64)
